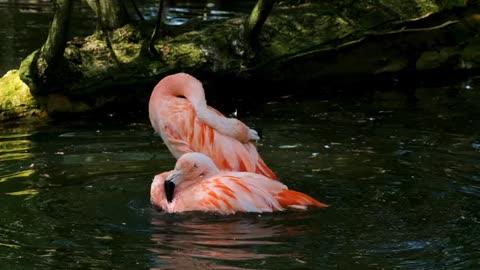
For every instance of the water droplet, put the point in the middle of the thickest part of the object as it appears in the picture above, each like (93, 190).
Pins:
(288, 146)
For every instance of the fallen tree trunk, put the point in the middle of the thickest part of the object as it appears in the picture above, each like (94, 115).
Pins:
(310, 41)
(47, 61)
(111, 14)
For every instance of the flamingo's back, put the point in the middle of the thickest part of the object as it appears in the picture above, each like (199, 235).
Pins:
(232, 192)
(182, 132)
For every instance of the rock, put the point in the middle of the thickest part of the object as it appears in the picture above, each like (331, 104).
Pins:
(16, 101)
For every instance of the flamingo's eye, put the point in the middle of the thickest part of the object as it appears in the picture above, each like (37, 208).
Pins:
(195, 166)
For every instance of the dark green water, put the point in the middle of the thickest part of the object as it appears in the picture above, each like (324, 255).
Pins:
(400, 171)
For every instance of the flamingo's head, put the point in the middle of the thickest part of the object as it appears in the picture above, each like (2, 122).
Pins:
(190, 167)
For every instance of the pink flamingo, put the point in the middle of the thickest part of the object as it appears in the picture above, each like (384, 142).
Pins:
(178, 112)
(196, 184)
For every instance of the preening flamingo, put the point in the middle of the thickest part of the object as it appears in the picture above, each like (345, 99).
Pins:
(196, 184)
(179, 112)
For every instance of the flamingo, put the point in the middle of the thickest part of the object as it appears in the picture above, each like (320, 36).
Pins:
(179, 112)
(196, 184)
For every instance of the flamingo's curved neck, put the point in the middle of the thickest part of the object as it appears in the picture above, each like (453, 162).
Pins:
(192, 89)
(183, 85)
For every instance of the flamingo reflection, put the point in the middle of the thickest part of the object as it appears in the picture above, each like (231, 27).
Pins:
(216, 242)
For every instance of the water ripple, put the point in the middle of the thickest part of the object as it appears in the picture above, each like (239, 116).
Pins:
(219, 240)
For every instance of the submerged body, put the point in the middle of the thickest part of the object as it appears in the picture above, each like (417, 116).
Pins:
(179, 113)
(196, 184)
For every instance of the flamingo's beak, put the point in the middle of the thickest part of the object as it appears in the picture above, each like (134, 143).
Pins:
(170, 185)
(169, 188)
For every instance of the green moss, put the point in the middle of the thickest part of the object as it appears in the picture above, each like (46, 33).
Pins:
(14, 92)
(25, 70)
(15, 98)
(187, 54)
(129, 33)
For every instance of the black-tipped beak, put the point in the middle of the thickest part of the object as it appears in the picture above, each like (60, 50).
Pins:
(169, 188)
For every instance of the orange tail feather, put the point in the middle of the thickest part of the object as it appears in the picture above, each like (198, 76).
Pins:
(291, 198)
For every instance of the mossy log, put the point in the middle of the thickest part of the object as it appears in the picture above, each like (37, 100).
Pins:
(304, 42)
(47, 60)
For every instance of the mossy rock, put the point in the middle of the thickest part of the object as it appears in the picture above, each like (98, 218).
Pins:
(16, 101)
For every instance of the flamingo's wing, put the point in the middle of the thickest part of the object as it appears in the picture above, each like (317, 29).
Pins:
(232, 192)
(175, 142)
(229, 153)
(183, 132)
(238, 192)
(260, 166)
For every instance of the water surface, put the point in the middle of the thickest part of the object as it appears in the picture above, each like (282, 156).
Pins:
(400, 172)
